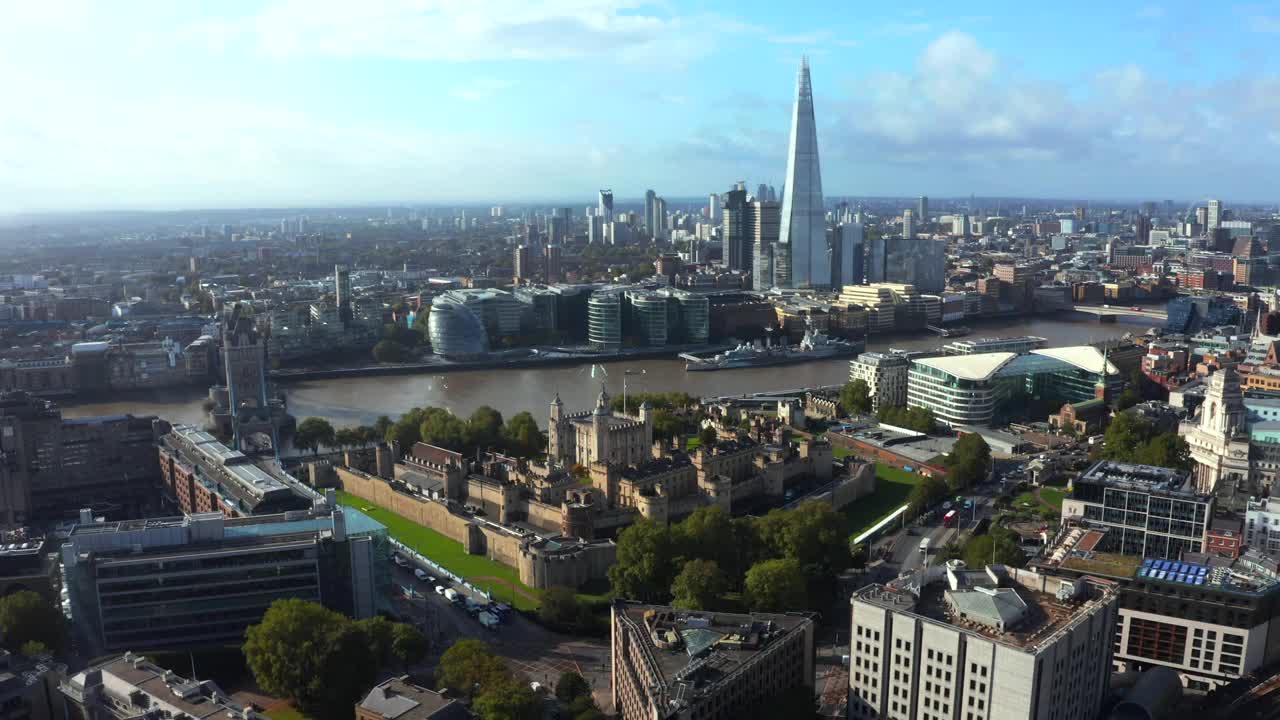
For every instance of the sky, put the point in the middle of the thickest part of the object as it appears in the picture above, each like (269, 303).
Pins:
(154, 104)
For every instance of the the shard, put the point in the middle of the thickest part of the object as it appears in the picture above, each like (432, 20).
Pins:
(803, 235)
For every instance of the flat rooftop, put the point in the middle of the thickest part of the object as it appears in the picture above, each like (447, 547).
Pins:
(699, 649)
(1145, 478)
(1040, 615)
(979, 366)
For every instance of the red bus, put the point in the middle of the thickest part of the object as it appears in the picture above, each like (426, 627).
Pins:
(949, 520)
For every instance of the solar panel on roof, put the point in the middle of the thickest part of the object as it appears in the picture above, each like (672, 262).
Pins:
(1202, 571)
(1142, 572)
(1199, 580)
(1147, 562)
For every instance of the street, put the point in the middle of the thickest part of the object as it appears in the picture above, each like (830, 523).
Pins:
(905, 553)
(528, 647)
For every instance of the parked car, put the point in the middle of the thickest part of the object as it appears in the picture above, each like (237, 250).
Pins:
(420, 574)
(439, 589)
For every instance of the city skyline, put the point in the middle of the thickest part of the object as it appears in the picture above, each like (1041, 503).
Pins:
(292, 104)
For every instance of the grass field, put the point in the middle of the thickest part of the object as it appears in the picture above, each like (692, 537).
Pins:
(892, 487)
(1053, 496)
(448, 553)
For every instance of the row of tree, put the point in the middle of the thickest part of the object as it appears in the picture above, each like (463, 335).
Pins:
(912, 418)
(781, 561)
(30, 625)
(999, 546)
(400, 343)
(1132, 438)
(484, 430)
(322, 661)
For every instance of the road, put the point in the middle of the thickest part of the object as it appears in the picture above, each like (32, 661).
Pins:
(528, 647)
(905, 553)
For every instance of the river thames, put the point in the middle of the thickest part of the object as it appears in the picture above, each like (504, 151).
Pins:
(353, 401)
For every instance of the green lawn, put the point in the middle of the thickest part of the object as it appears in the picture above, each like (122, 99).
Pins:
(839, 452)
(1053, 496)
(892, 487)
(447, 553)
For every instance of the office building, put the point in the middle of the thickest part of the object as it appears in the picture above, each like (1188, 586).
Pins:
(885, 375)
(201, 474)
(552, 262)
(920, 262)
(803, 229)
(53, 465)
(604, 210)
(1140, 510)
(713, 208)
(201, 579)
(908, 225)
(736, 248)
(660, 218)
(456, 331)
(131, 687)
(680, 665)
(497, 309)
(522, 268)
(342, 292)
(1213, 215)
(991, 644)
(848, 263)
(893, 306)
(764, 220)
(604, 319)
(558, 226)
(960, 225)
(922, 208)
(400, 699)
(650, 221)
(985, 388)
(876, 251)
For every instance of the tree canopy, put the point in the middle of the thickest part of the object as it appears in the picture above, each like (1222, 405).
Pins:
(26, 618)
(470, 668)
(312, 433)
(776, 586)
(319, 659)
(999, 546)
(968, 461)
(928, 492)
(855, 397)
(698, 586)
(913, 418)
(1133, 439)
(522, 436)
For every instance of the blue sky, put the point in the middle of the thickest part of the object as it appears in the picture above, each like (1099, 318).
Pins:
(157, 104)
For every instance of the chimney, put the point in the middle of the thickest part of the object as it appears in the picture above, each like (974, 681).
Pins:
(86, 516)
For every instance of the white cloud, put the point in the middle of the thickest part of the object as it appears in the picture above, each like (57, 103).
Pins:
(480, 89)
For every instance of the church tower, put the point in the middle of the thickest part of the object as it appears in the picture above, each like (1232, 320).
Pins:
(600, 426)
(1222, 415)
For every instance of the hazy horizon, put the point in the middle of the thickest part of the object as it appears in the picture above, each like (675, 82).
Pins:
(288, 104)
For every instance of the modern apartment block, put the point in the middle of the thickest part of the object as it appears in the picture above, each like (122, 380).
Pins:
(1140, 510)
(49, 463)
(1023, 344)
(203, 578)
(1208, 617)
(131, 687)
(201, 474)
(885, 375)
(681, 665)
(990, 644)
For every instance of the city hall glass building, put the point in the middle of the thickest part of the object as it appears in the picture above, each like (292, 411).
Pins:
(987, 388)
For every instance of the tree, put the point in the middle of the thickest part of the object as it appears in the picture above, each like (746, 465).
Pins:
(571, 686)
(997, 546)
(286, 650)
(312, 433)
(507, 699)
(390, 351)
(1126, 432)
(35, 648)
(560, 608)
(1128, 398)
(484, 428)
(408, 646)
(347, 438)
(698, 586)
(707, 437)
(775, 586)
(855, 397)
(522, 436)
(709, 534)
(379, 632)
(928, 492)
(381, 426)
(667, 424)
(1164, 450)
(25, 617)
(968, 462)
(346, 670)
(468, 665)
(644, 566)
(444, 429)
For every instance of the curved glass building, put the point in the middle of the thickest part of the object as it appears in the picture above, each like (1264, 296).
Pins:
(456, 331)
(604, 319)
(648, 316)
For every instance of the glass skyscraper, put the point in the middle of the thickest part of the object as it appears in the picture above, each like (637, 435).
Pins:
(803, 234)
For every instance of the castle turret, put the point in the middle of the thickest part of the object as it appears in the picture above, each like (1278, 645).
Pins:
(555, 419)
